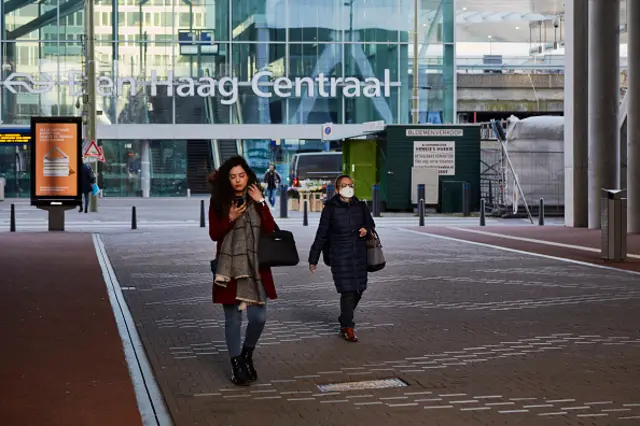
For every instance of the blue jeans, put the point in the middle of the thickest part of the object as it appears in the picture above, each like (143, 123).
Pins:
(271, 195)
(257, 316)
(86, 200)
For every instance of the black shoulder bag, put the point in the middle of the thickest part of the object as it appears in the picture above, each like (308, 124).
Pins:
(278, 249)
(275, 249)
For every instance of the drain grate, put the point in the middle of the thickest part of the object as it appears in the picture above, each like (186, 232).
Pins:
(368, 384)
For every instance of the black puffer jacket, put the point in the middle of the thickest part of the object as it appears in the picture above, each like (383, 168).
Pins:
(339, 227)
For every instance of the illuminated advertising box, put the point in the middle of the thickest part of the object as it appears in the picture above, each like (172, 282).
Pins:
(56, 160)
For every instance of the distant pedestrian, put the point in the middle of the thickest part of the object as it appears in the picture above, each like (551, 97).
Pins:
(87, 179)
(273, 180)
(238, 214)
(345, 223)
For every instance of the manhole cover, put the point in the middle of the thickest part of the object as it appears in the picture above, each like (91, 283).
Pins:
(368, 384)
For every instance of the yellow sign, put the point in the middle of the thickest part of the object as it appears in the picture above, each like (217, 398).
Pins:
(15, 138)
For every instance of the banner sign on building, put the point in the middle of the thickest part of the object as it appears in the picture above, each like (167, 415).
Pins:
(56, 160)
(426, 133)
(435, 155)
(263, 84)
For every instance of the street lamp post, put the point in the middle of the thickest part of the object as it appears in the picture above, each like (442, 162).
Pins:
(90, 96)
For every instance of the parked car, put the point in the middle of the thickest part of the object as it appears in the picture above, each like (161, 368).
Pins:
(315, 166)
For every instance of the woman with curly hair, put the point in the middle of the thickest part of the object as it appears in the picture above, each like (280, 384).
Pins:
(238, 214)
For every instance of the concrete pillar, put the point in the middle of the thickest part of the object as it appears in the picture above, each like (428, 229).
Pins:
(449, 68)
(576, 129)
(604, 102)
(145, 168)
(633, 118)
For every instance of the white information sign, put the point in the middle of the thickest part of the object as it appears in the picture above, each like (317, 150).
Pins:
(435, 155)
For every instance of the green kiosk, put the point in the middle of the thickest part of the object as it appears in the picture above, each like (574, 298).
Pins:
(391, 157)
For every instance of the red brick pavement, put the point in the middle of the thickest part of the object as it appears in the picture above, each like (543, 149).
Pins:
(62, 361)
(581, 237)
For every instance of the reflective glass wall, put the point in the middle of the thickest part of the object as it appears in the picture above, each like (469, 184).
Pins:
(223, 62)
(309, 60)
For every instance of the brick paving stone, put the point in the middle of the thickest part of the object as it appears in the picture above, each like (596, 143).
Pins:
(580, 237)
(481, 336)
(62, 361)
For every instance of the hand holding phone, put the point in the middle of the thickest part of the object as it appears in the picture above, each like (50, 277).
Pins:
(237, 210)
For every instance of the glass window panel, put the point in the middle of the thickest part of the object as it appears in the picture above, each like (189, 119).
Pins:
(367, 21)
(168, 168)
(313, 21)
(205, 102)
(120, 176)
(250, 17)
(251, 58)
(129, 96)
(321, 103)
(15, 169)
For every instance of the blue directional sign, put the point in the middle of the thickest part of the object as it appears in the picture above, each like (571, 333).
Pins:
(15, 136)
(197, 42)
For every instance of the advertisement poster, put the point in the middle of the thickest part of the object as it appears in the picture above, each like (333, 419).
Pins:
(435, 155)
(56, 151)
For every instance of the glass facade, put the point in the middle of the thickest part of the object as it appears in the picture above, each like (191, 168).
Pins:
(150, 71)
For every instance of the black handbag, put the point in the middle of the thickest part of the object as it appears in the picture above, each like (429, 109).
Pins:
(278, 249)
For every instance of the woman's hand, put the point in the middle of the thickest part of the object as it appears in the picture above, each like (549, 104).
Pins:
(312, 268)
(235, 212)
(255, 193)
(363, 232)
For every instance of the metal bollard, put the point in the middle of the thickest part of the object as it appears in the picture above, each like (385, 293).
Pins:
(541, 213)
(376, 199)
(483, 221)
(134, 218)
(284, 201)
(202, 220)
(305, 217)
(421, 192)
(421, 209)
(12, 226)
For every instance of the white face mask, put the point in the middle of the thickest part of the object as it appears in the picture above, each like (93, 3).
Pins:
(347, 192)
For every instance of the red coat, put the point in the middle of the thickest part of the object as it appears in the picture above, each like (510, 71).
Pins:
(217, 230)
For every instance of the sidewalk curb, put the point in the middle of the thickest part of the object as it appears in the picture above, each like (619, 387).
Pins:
(150, 400)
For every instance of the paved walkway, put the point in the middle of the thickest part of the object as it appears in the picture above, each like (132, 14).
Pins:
(571, 243)
(62, 360)
(469, 335)
(478, 335)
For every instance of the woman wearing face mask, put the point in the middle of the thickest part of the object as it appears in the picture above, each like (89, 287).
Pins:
(238, 214)
(344, 226)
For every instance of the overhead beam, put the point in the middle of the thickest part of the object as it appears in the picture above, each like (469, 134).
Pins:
(46, 18)
(13, 5)
(229, 131)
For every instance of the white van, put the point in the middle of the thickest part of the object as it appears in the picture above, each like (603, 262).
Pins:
(315, 166)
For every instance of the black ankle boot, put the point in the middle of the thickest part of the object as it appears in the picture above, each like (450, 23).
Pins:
(239, 374)
(247, 355)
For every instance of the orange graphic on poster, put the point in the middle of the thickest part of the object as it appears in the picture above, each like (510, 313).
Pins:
(56, 152)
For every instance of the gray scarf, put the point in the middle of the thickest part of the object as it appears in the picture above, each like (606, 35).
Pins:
(238, 258)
